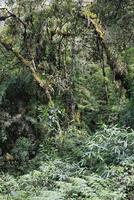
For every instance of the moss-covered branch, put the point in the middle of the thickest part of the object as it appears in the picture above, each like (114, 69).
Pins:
(118, 68)
(28, 64)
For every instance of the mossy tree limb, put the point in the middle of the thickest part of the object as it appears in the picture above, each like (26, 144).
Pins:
(118, 68)
(28, 64)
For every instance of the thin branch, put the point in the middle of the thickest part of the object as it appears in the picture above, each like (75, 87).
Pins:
(10, 14)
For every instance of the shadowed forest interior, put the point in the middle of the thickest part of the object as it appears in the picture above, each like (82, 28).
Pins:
(67, 100)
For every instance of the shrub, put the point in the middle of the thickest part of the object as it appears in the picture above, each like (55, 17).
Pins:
(108, 146)
(22, 148)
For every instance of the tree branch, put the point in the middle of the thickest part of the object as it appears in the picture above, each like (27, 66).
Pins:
(9, 15)
(118, 68)
(43, 84)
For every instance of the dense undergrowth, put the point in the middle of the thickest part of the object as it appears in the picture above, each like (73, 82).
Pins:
(75, 166)
(66, 100)
(47, 154)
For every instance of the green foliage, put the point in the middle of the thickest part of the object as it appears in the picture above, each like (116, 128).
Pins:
(109, 146)
(52, 118)
(21, 149)
(60, 81)
(127, 111)
(110, 149)
(30, 186)
(97, 96)
(129, 56)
